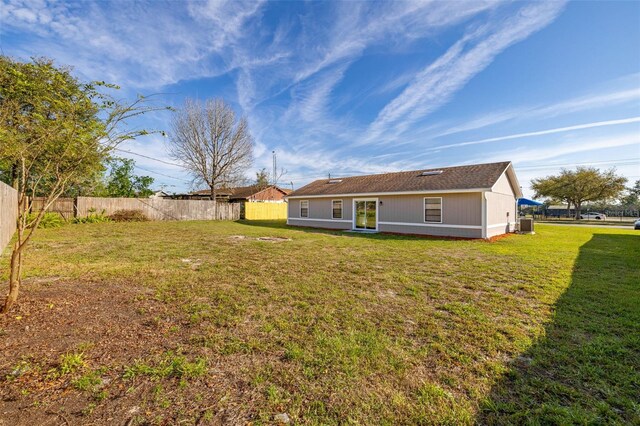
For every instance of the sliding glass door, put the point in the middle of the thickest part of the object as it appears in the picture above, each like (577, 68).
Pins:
(365, 212)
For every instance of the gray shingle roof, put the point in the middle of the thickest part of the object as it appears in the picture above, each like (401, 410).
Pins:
(452, 178)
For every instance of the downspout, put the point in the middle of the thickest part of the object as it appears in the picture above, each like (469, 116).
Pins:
(484, 214)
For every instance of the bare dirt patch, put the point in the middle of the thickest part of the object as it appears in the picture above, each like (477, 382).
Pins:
(110, 328)
(268, 239)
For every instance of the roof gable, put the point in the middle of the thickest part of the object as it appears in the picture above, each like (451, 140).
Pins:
(478, 176)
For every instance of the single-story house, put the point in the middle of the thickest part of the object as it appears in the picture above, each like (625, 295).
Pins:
(269, 193)
(475, 201)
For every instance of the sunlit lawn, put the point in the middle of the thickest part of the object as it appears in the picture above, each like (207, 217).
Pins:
(334, 328)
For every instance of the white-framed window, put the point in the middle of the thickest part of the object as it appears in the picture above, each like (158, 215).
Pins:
(433, 209)
(304, 208)
(336, 209)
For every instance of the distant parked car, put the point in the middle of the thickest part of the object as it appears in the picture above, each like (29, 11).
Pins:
(637, 224)
(593, 215)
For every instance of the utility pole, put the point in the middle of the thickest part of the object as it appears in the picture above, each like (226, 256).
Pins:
(275, 169)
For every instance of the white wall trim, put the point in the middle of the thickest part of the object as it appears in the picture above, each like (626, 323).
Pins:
(424, 209)
(308, 208)
(484, 214)
(432, 225)
(374, 194)
(320, 220)
(341, 209)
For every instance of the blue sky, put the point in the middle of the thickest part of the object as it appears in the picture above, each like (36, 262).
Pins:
(366, 87)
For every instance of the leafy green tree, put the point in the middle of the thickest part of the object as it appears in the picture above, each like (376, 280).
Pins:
(580, 186)
(55, 131)
(262, 178)
(5, 172)
(632, 199)
(122, 182)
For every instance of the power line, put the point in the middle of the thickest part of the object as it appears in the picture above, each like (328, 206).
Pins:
(162, 174)
(620, 162)
(148, 157)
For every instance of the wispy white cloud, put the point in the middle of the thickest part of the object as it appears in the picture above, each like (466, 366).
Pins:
(140, 44)
(227, 16)
(316, 63)
(582, 103)
(439, 81)
(537, 133)
(562, 148)
(313, 78)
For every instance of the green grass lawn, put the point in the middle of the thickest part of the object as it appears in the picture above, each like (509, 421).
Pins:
(203, 322)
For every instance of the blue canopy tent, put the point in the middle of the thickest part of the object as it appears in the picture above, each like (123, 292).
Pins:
(528, 202)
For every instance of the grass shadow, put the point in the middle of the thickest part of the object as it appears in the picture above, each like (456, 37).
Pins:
(586, 369)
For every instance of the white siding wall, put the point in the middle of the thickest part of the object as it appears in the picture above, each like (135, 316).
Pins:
(501, 208)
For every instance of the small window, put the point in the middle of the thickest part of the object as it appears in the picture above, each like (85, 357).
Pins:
(433, 209)
(336, 206)
(335, 180)
(431, 173)
(304, 208)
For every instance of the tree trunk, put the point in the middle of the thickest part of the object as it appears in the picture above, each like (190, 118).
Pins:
(14, 277)
(14, 176)
(215, 202)
(578, 205)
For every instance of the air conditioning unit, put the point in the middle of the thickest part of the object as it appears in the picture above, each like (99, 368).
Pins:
(526, 225)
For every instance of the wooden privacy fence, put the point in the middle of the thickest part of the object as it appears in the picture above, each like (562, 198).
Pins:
(8, 214)
(265, 211)
(160, 208)
(63, 206)
(153, 208)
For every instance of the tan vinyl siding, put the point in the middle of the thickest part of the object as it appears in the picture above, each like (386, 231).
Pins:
(293, 208)
(320, 208)
(498, 205)
(503, 186)
(457, 208)
(328, 224)
(501, 208)
(403, 214)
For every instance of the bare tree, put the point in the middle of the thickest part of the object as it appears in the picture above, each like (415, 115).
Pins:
(212, 144)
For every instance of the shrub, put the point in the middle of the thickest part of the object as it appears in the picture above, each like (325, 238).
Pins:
(49, 220)
(70, 362)
(93, 217)
(129, 216)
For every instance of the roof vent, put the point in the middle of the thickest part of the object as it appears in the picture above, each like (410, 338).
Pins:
(335, 180)
(431, 173)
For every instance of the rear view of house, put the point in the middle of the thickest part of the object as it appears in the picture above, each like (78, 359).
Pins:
(475, 201)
